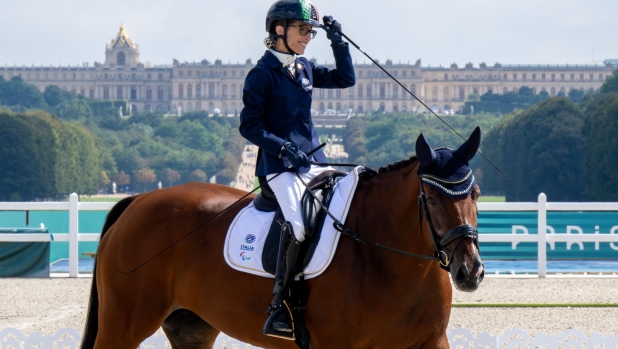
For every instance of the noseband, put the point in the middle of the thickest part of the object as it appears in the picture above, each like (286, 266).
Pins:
(457, 234)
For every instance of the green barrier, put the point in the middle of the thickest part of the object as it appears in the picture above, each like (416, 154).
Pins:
(24, 259)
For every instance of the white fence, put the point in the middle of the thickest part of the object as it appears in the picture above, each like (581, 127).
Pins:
(542, 238)
(459, 338)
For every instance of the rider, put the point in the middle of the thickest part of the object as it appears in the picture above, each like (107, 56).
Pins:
(276, 117)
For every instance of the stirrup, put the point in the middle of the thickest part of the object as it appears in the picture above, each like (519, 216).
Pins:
(276, 313)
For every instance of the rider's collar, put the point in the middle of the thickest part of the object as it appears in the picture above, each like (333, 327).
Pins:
(287, 59)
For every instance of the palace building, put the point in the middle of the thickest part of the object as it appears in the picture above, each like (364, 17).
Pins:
(217, 87)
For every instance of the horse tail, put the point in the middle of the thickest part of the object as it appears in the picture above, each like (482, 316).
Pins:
(92, 319)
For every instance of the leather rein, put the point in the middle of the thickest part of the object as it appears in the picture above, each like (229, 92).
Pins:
(458, 233)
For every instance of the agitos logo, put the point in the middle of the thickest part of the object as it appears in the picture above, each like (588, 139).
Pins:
(244, 257)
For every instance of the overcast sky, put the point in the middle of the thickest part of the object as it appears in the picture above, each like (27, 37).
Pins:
(437, 31)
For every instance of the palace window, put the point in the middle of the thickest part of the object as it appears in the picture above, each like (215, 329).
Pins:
(382, 90)
(233, 73)
(601, 77)
(505, 77)
(543, 77)
(149, 94)
(233, 91)
(160, 76)
(321, 93)
(395, 91)
(160, 94)
(330, 95)
(106, 93)
(211, 91)
(198, 90)
(434, 94)
(360, 91)
(445, 77)
(505, 90)
(591, 77)
(553, 77)
(224, 91)
(133, 94)
(338, 93)
(242, 73)
(514, 76)
(462, 94)
(181, 91)
(413, 89)
(119, 93)
(189, 73)
(534, 77)
(561, 76)
(91, 94)
(189, 90)
(225, 73)
(369, 95)
(572, 76)
(120, 58)
(524, 77)
(581, 76)
(412, 73)
(148, 76)
(404, 73)
(180, 74)
(553, 91)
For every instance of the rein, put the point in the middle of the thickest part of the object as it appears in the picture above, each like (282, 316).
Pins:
(458, 233)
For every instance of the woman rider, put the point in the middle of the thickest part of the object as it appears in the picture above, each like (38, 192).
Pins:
(276, 117)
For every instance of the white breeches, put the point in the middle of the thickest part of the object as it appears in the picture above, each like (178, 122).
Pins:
(289, 190)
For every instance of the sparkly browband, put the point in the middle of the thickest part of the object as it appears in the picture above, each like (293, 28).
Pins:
(438, 183)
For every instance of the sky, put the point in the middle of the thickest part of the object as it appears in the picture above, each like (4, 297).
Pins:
(439, 32)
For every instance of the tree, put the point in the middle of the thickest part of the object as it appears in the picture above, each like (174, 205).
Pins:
(54, 95)
(145, 175)
(105, 181)
(17, 92)
(122, 179)
(197, 176)
(541, 149)
(170, 176)
(73, 109)
(602, 148)
(611, 84)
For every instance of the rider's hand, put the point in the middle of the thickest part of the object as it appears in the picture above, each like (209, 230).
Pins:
(332, 29)
(293, 156)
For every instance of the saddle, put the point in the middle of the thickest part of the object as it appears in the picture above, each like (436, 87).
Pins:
(322, 186)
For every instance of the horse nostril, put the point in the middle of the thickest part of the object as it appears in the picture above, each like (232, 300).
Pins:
(480, 272)
(463, 273)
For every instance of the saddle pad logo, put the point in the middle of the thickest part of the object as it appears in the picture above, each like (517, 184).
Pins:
(244, 256)
(250, 239)
(247, 248)
(305, 81)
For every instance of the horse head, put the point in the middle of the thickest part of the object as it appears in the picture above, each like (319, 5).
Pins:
(448, 200)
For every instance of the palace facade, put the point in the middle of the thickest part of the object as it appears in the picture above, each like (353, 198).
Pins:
(217, 87)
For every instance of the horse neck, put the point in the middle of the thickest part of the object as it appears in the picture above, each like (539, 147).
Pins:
(388, 214)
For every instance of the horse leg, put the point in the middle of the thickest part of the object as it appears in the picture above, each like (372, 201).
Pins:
(186, 330)
(126, 324)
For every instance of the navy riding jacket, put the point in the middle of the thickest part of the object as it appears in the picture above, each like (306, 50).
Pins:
(277, 106)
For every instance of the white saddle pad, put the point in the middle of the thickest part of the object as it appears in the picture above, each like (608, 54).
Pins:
(247, 233)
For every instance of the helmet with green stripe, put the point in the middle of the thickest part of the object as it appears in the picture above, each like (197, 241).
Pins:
(299, 10)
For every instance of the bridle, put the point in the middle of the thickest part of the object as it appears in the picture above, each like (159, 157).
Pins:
(457, 234)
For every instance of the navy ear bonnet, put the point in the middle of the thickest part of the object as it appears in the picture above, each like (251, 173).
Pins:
(447, 170)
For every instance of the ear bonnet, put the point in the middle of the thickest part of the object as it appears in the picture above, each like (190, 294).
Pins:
(448, 170)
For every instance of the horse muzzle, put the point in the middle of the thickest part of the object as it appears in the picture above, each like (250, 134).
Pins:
(469, 275)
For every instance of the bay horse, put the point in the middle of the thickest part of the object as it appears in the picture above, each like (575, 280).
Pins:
(367, 298)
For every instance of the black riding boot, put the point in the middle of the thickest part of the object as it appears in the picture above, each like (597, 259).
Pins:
(279, 323)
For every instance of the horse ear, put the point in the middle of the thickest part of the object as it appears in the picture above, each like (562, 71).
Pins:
(467, 150)
(424, 153)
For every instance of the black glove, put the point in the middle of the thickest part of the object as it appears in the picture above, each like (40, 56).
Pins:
(292, 156)
(332, 29)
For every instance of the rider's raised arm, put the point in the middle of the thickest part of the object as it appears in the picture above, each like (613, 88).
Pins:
(340, 77)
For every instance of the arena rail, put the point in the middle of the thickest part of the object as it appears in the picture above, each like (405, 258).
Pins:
(459, 338)
(542, 238)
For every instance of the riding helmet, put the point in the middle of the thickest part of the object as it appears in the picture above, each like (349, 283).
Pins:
(300, 10)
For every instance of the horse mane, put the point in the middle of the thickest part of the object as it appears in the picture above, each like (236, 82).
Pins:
(370, 173)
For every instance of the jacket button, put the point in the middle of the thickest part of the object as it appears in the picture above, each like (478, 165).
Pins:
(306, 122)
(299, 88)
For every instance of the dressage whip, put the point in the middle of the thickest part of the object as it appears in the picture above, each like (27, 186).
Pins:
(329, 23)
(215, 216)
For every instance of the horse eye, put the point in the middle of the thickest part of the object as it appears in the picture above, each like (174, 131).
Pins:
(431, 201)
